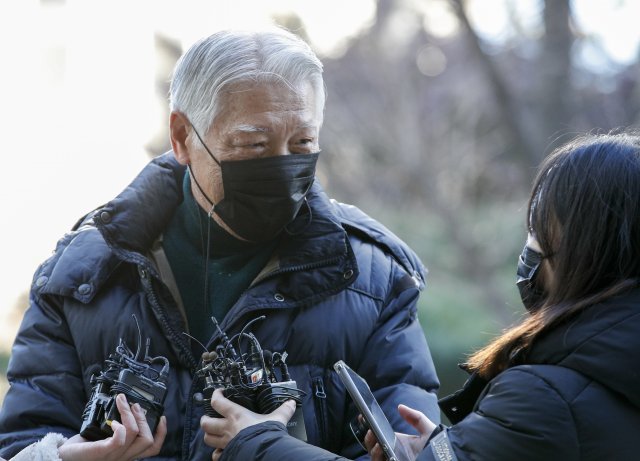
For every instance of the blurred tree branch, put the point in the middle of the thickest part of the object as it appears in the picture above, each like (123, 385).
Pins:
(510, 113)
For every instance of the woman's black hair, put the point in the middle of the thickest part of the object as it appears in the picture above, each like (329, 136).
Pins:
(585, 213)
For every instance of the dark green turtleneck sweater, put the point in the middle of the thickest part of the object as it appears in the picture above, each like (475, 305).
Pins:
(232, 264)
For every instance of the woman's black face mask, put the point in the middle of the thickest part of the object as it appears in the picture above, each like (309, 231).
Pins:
(528, 268)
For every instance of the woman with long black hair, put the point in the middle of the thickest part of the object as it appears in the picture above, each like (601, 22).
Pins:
(564, 384)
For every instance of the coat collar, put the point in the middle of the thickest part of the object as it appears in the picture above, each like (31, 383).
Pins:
(139, 214)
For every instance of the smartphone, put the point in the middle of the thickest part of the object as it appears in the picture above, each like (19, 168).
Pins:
(370, 410)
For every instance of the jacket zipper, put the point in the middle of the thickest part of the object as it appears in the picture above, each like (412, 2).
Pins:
(155, 305)
(301, 267)
(320, 398)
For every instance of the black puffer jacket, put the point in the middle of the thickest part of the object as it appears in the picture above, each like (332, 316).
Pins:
(345, 288)
(578, 398)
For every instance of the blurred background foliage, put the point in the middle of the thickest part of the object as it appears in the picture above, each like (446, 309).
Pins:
(439, 137)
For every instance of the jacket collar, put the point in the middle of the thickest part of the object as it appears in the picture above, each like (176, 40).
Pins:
(139, 214)
(135, 219)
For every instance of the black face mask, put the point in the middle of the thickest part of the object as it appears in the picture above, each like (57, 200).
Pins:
(263, 195)
(528, 268)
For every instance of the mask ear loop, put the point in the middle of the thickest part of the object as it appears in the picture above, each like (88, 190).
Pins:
(300, 229)
(206, 258)
(205, 146)
(193, 176)
(207, 252)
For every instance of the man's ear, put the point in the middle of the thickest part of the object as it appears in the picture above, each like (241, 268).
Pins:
(179, 129)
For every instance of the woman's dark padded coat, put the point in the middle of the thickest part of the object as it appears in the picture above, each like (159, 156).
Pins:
(577, 399)
(345, 288)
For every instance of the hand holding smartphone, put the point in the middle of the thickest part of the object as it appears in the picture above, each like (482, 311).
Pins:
(371, 412)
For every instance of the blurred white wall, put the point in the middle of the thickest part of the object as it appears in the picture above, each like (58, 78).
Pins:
(76, 113)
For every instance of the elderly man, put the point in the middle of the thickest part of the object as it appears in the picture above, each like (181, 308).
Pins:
(231, 224)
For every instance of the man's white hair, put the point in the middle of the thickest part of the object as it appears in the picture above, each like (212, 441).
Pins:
(228, 57)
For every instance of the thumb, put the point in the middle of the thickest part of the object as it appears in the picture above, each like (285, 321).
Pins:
(221, 404)
(284, 412)
(417, 419)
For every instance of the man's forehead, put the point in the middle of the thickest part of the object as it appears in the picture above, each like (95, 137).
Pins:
(303, 94)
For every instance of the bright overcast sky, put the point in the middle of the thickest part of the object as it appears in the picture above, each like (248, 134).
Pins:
(73, 136)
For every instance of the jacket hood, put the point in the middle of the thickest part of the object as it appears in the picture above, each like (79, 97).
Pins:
(601, 343)
(85, 258)
(356, 221)
(133, 220)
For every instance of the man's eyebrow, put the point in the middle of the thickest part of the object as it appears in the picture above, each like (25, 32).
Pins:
(304, 126)
(252, 129)
(264, 129)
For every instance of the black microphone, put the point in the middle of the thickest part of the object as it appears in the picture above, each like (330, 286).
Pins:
(268, 363)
